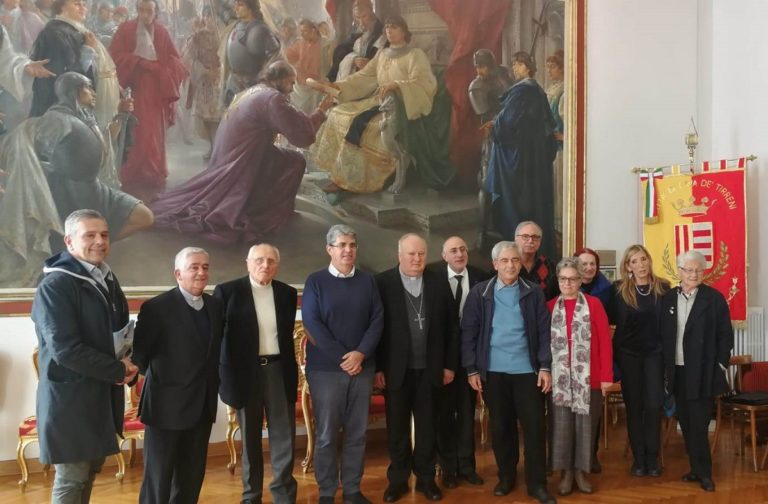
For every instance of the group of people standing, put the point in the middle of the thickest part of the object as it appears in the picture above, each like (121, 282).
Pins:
(533, 338)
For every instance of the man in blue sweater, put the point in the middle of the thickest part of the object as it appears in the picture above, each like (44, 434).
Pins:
(343, 314)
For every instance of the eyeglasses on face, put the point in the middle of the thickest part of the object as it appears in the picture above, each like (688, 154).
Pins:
(563, 279)
(691, 271)
(350, 246)
(529, 237)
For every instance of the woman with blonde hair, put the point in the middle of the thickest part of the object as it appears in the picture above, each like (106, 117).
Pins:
(634, 309)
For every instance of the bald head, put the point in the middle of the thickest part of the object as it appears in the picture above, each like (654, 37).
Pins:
(455, 253)
(412, 254)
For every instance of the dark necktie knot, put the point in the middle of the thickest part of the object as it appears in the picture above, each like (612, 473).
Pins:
(459, 288)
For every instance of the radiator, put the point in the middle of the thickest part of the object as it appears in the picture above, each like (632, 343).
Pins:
(752, 339)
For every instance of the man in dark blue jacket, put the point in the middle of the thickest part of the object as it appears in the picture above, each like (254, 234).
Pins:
(80, 398)
(506, 351)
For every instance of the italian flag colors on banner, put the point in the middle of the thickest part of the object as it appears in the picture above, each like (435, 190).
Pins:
(706, 212)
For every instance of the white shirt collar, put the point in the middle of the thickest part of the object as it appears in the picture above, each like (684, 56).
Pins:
(334, 272)
(452, 273)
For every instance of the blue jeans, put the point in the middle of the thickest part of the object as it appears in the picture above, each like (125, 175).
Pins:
(74, 481)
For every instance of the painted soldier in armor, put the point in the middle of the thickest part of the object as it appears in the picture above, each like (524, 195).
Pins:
(250, 46)
(72, 150)
(485, 95)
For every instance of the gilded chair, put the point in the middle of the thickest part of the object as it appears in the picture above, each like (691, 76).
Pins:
(232, 424)
(375, 411)
(133, 428)
(28, 436)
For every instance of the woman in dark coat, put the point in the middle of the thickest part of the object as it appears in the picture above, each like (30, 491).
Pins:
(697, 342)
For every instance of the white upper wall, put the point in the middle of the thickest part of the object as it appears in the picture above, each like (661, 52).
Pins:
(739, 111)
(641, 94)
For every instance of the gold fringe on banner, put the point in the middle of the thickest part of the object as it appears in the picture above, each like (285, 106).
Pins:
(651, 220)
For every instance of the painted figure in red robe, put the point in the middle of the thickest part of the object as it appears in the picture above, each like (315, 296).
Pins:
(150, 65)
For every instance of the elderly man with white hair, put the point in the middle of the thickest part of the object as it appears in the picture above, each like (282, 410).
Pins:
(697, 338)
(176, 346)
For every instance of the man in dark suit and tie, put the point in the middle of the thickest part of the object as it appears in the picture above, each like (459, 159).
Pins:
(456, 427)
(259, 374)
(176, 345)
(417, 355)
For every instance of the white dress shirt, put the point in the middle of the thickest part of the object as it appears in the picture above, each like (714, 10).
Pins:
(266, 316)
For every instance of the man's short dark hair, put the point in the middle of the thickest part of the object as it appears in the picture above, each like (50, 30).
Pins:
(278, 71)
(401, 23)
(525, 58)
(254, 7)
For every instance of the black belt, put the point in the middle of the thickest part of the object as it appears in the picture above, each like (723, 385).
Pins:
(268, 359)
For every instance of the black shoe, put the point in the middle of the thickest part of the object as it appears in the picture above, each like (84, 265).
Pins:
(707, 484)
(504, 487)
(356, 498)
(653, 471)
(325, 500)
(429, 489)
(542, 495)
(394, 492)
(690, 477)
(472, 478)
(450, 480)
(638, 470)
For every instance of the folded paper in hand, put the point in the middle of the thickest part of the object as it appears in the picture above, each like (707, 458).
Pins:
(322, 87)
(123, 340)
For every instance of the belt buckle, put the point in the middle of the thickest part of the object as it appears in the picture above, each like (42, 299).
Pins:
(263, 361)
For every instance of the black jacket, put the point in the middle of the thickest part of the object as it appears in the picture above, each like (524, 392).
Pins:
(240, 347)
(707, 342)
(442, 329)
(181, 374)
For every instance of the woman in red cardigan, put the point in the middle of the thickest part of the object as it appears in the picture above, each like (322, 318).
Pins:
(581, 372)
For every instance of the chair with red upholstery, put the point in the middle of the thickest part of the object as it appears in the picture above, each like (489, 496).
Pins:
(28, 435)
(133, 428)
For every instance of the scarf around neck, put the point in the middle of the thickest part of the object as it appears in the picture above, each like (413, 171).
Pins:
(570, 370)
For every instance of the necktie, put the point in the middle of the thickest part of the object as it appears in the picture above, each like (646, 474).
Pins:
(459, 292)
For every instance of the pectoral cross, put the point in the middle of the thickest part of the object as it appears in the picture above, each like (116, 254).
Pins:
(420, 319)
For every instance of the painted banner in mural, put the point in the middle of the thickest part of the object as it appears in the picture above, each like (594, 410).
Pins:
(703, 211)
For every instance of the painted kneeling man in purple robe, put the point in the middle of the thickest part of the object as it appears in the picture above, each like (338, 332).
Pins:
(250, 185)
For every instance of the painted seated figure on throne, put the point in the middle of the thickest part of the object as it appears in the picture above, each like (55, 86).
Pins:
(368, 138)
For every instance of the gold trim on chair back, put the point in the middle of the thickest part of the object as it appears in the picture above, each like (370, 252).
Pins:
(300, 338)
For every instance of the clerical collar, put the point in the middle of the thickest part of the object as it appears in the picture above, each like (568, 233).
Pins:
(338, 274)
(412, 284)
(396, 52)
(195, 302)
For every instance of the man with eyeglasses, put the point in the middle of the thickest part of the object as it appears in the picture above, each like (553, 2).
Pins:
(343, 316)
(697, 338)
(456, 422)
(505, 349)
(535, 267)
(259, 375)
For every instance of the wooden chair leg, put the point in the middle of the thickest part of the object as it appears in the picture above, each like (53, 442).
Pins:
(753, 435)
(120, 465)
(765, 457)
(605, 422)
(22, 464)
(230, 438)
(131, 452)
(306, 464)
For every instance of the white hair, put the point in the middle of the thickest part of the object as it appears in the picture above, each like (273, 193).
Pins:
(75, 217)
(502, 246)
(691, 255)
(181, 257)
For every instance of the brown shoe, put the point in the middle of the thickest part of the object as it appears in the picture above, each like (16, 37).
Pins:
(582, 483)
(565, 487)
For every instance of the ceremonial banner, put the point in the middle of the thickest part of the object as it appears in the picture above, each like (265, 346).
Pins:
(705, 212)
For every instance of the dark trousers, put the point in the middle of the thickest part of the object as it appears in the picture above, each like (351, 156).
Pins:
(642, 386)
(174, 464)
(268, 396)
(513, 397)
(456, 431)
(694, 416)
(417, 396)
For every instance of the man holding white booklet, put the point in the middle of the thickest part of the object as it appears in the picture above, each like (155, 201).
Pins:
(80, 314)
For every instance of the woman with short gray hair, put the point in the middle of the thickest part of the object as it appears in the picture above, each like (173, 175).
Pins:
(582, 371)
